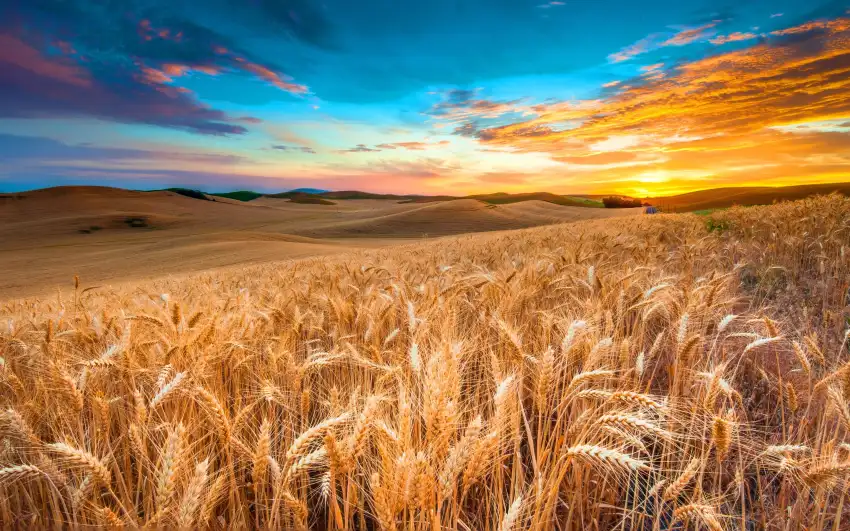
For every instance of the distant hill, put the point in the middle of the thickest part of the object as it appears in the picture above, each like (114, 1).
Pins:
(250, 195)
(744, 196)
(309, 191)
(690, 202)
(356, 194)
(313, 196)
(563, 200)
(305, 198)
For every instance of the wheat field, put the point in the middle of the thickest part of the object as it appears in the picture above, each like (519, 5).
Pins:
(656, 372)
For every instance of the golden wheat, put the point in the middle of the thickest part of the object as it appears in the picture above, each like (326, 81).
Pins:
(635, 373)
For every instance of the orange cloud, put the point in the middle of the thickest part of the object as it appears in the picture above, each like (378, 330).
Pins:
(282, 82)
(689, 35)
(716, 118)
(733, 37)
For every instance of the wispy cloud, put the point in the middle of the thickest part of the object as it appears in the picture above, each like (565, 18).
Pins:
(359, 148)
(300, 149)
(683, 36)
(734, 37)
(688, 35)
(390, 146)
(462, 105)
(412, 146)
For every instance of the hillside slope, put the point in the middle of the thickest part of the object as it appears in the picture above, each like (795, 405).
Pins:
(47, 236)
(746, 196)
(461, 216)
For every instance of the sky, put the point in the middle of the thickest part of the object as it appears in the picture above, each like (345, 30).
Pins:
(440, 97)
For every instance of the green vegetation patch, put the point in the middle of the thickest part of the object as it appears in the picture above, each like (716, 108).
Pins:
(194, 194)
(241, 195)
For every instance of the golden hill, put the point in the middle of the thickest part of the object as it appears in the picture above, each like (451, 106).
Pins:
(48, 235)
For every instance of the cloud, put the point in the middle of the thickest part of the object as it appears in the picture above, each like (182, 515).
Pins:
(605, 158)
(462, 105)
(359, 148)
(710, 116)
(469, 130)
(734, 37)
(410, 146)
(72, 59)
(283, 82)
(42, 151)
(783, 81)
(689, 35)
(655, 41)
(302, 149)
(22, 178)
(35, 86)
(642, 46)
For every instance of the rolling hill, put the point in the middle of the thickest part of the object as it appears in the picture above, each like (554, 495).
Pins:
(49, 235)
(499, 198)
(746, 196)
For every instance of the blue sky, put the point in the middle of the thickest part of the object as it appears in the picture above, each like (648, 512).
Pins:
(431, 97)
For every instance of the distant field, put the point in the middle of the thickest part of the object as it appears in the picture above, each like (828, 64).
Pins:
(495, 199)
(563, 200)
(47, 236)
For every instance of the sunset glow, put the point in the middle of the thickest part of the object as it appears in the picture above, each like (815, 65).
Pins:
(440, 97)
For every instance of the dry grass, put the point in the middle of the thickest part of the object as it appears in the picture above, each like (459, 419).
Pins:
(641, 373)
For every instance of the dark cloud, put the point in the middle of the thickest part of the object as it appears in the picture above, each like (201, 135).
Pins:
(359, 148)
(469, 130)
(90, 59)
(35, 86)
(459, 96)
(302, 149)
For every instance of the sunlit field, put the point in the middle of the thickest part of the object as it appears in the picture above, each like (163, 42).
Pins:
(648, 372)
